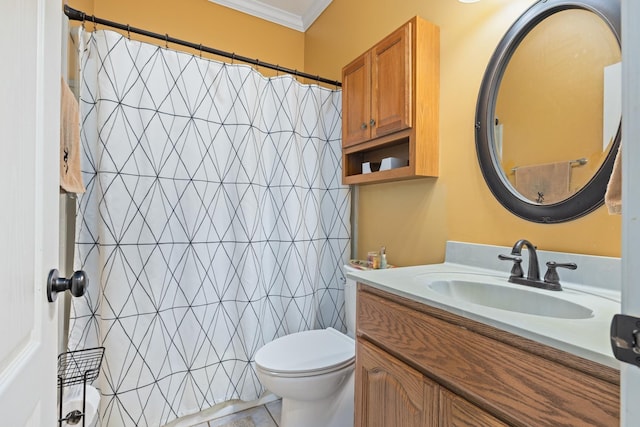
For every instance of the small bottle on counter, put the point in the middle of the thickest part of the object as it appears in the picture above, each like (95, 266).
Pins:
(383, 257)
(376, 261)
(371, 259)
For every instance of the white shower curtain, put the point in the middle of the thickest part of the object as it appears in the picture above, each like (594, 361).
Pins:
(214, 221)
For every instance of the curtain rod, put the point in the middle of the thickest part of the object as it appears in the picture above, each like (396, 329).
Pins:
(76, 15)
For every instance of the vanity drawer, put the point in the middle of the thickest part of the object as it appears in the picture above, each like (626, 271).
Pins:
(514, 385)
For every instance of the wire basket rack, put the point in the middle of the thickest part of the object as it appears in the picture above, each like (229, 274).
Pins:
(77, 367)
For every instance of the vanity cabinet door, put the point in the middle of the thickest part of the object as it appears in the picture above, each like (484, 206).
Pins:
(390, 393)
(457, 412)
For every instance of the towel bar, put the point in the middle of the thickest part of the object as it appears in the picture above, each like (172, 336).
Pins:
(576, 162)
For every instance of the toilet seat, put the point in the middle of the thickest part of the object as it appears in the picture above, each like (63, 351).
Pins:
(306, 353)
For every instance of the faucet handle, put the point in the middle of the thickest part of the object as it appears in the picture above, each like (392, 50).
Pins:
(551, 275)
(516, 270)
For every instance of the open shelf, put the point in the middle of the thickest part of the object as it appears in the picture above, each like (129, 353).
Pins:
(354, 158)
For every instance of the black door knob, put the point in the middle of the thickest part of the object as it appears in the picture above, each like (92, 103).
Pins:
(77, 284)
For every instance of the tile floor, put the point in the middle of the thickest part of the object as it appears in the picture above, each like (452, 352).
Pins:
(261, 416)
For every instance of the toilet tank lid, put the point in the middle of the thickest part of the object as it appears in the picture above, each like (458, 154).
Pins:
(306, 351)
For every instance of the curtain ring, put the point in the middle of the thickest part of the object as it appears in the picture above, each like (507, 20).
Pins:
(257, 65)
(166, 40)
(233, 57)
(200, 49)
(128, 32)
(93, 18)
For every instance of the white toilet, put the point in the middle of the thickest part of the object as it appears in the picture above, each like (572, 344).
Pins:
(313, 372)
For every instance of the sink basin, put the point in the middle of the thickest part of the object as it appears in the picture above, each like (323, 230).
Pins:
(511, 298)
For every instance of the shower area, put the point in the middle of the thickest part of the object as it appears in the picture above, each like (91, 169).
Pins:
(214, 221)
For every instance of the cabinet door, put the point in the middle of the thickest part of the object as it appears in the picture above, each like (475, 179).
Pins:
(391, 82)
(356, 101)
(390, 393)
(457, 412)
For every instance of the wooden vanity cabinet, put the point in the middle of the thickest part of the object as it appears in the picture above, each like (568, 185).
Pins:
(391, 393)
(390, 97)
(421, 366)
(457, 412)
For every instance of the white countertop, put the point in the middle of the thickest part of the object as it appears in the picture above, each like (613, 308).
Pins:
(587, 338)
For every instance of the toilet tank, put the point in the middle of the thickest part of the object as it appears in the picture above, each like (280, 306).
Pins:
(350, 302)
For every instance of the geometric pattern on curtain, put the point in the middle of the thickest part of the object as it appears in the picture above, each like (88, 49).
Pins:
(214, 222)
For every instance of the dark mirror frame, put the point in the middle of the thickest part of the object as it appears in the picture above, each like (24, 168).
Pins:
(591, 196)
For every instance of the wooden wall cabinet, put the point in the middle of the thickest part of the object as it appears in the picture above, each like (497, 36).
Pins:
(390, 105)
(420, 366)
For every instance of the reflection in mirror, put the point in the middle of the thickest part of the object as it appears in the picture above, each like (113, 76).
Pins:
(556, 92)
(548, 112)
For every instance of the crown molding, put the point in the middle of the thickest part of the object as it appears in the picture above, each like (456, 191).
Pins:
(278, 15)
(313, 12)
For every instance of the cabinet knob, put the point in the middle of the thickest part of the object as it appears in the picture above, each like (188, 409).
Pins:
(363, 126)
(372, 122)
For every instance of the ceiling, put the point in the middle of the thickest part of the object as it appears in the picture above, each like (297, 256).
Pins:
(296, 14)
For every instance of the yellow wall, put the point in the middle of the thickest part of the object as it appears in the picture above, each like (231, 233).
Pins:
(201, 21)
(85, 6)
(413, 219)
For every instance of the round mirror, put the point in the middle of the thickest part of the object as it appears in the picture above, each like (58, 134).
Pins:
(548, 113)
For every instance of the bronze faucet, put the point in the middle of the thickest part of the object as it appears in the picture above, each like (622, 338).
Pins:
(551, 280)
(533, 272)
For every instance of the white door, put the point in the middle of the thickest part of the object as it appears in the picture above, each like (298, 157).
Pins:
(630, 374)
(30, 53)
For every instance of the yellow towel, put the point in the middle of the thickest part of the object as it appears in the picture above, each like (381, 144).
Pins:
(613, 195)
(70, 173)
(544, 184)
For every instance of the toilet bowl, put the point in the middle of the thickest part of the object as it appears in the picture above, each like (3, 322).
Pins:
(313, 372)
